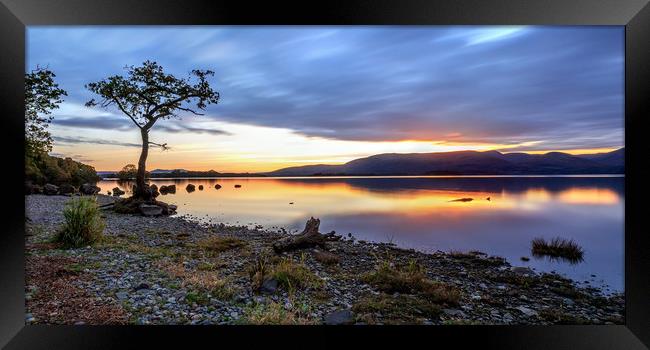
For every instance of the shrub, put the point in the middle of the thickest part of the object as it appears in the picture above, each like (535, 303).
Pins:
(558, 248)
(83, 223)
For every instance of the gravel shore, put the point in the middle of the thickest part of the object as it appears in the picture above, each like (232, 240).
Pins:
(160, 270)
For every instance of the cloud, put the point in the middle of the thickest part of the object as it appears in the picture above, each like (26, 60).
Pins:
(84, 140)
(183, 127)
(560, 85)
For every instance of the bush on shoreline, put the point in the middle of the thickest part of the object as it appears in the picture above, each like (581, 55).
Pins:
(83, 223)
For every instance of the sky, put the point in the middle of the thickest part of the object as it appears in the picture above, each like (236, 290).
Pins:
(297, 95)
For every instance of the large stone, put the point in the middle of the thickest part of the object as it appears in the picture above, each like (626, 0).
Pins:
(339, 317)
(167, 189)
(150, 210)
(190, 188)
(67, 189)
(50, 189)
(526, 311)
(269, 286)
(89, 189)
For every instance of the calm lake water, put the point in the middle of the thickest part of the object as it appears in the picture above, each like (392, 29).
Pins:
(419, 212)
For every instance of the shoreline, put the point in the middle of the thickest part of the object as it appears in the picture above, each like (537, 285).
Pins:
(154, 270)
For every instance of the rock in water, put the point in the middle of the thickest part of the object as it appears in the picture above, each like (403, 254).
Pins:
(167, 189)
(50, 189)
(117, 192)
(67, 189)
(339, 317)
(190, 188)
(217, 186)
(200, 187)
(89, 189)
(237, 186)
(150, 210)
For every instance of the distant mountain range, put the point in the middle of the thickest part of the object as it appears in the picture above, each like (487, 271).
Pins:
(468, 163)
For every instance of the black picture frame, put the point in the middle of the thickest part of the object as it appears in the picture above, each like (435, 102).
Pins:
(15, 15)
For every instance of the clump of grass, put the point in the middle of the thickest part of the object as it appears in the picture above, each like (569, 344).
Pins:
(558, 248)
(218, 244)
(201, 281)
(292, 275)
(411, 279)
(258, 271)
(83, 223)
(273, 314)
(326, 258)
(402, 309)
(197, 297)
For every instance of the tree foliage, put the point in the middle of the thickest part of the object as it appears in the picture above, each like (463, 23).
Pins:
(47, 169)
(148, 94)
(42, 95)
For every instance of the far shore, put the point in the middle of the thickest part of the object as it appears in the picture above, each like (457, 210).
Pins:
(161, 270)
(369, 176)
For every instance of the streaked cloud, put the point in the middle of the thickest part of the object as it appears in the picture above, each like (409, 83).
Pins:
(533, 88)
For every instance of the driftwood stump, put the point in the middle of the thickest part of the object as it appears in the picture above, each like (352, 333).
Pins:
(309, 237)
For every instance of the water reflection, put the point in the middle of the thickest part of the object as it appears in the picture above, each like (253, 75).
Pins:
(426, 214)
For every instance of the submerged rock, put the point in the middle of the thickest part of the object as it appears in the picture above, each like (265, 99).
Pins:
(117, 192)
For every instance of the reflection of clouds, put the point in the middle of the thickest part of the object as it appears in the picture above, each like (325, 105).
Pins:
(417, 213)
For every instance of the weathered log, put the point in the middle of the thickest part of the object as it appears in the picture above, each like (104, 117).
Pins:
(309, 237)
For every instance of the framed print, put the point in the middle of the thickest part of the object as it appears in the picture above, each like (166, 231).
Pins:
(469, 172)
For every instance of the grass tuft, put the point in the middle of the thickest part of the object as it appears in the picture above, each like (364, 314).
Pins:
(273, 314)
(558, 248)
(83, 223)
(218, 244)
(411, 279)
(327, 258)
(402, 309)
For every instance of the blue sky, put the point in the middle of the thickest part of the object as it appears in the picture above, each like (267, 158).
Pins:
(347, 90)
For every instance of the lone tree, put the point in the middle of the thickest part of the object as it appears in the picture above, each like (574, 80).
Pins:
(146, 95)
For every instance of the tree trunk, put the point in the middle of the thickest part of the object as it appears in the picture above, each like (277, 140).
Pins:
(141, 187)
(309, 237)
